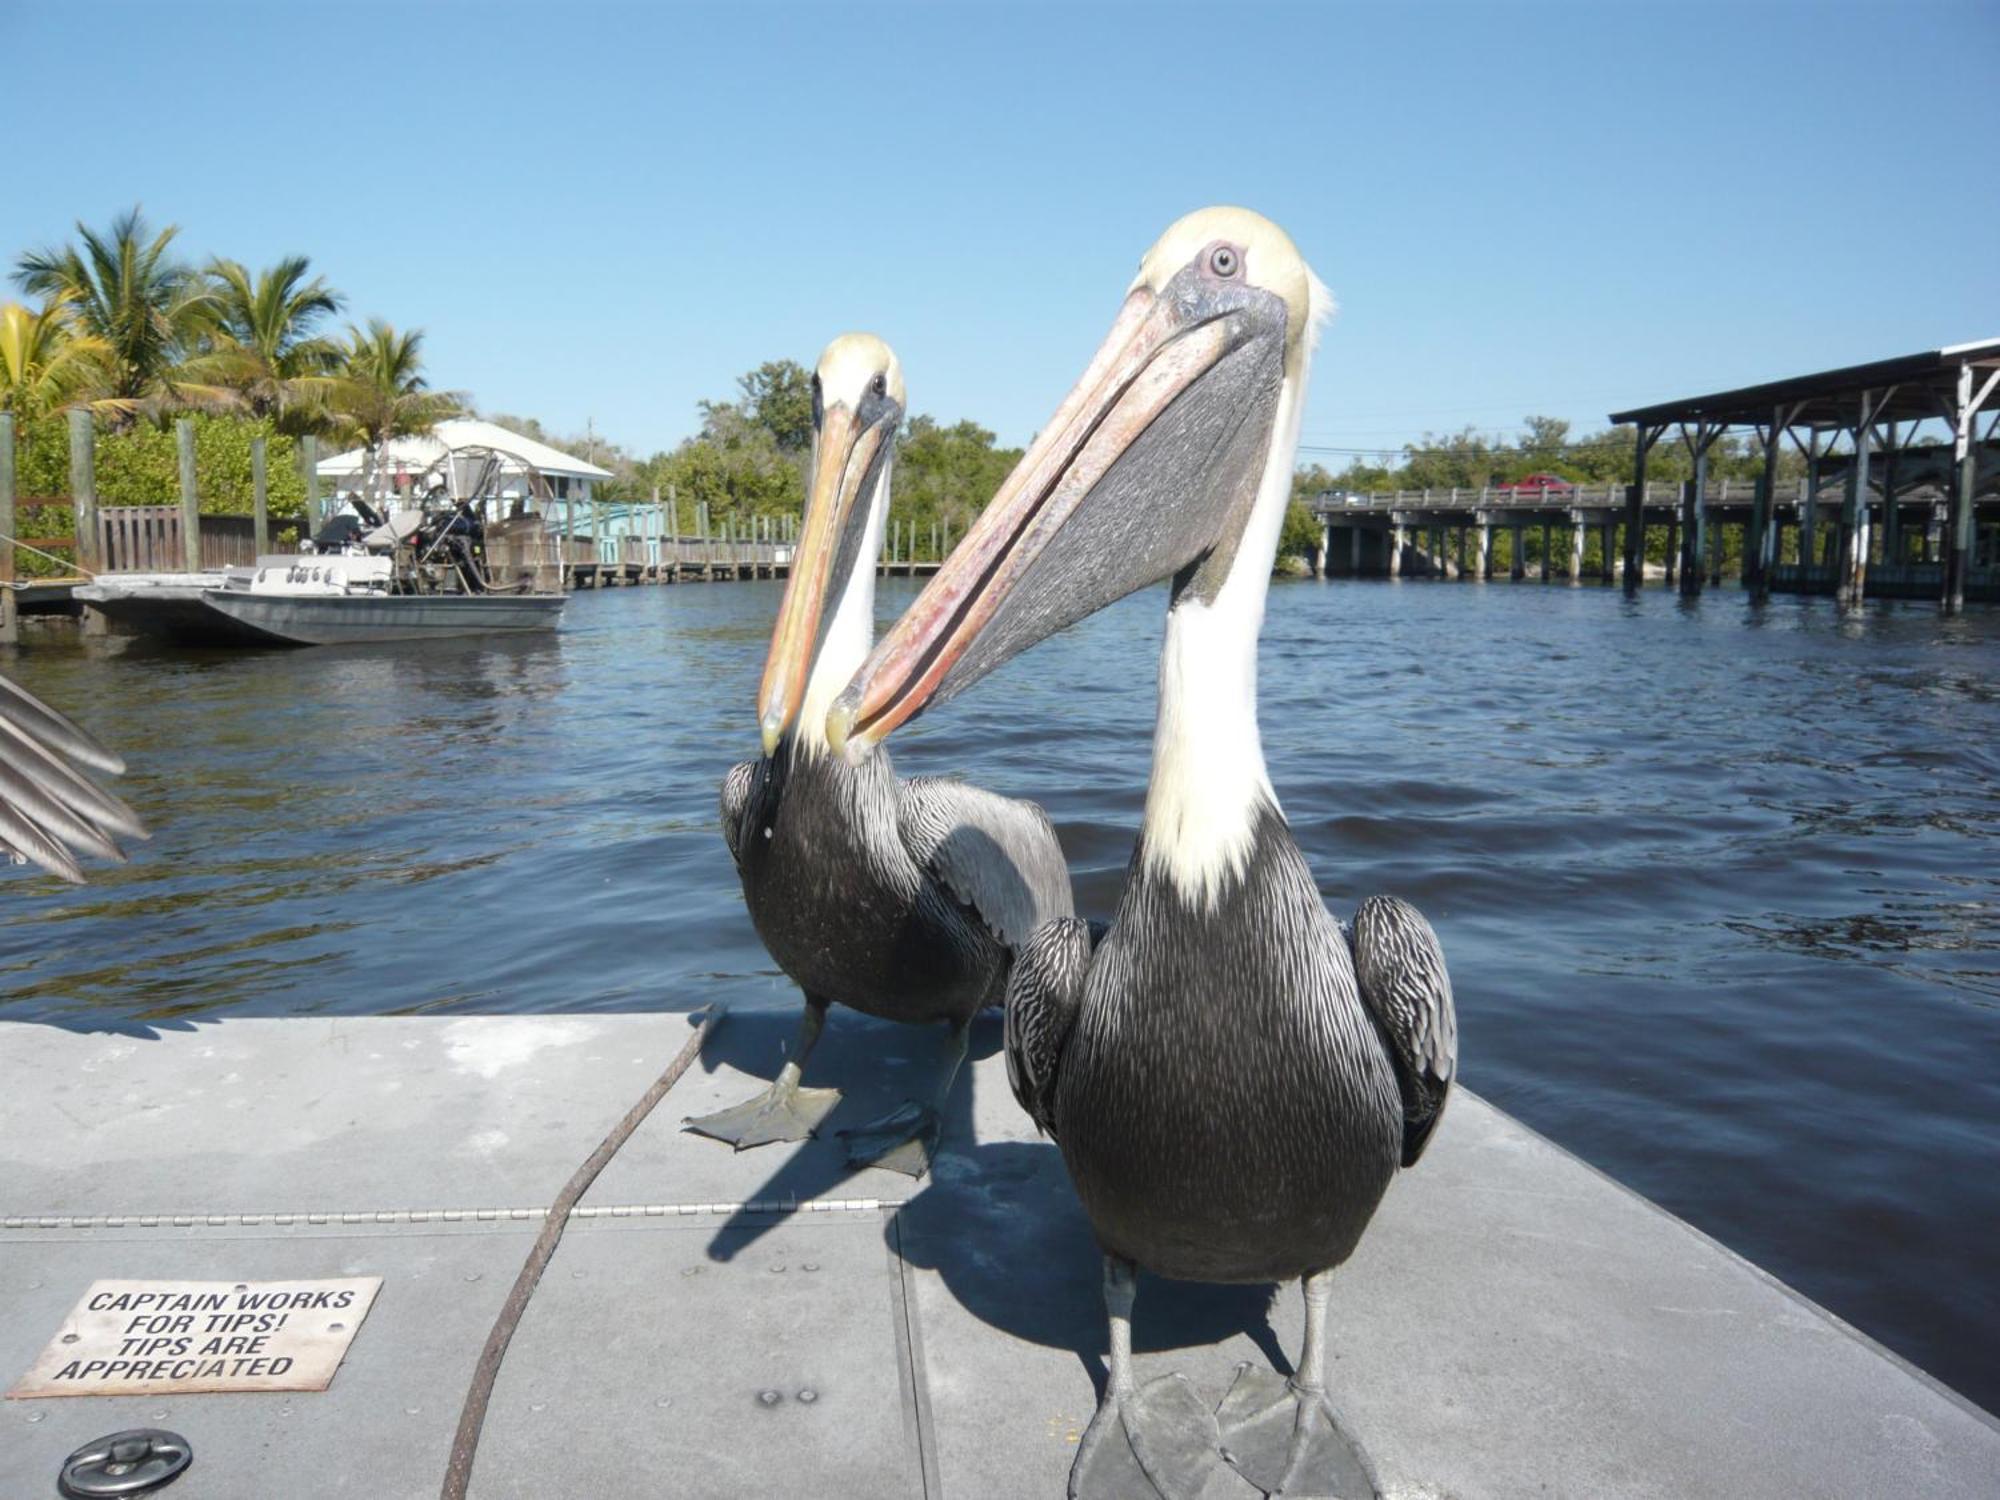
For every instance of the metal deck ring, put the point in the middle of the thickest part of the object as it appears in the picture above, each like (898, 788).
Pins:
(134, 1462)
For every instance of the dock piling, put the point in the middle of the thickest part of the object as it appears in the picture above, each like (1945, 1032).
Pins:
(260, 499)
(190, 502)
(10, 625)
(83, 506)
(309, 461)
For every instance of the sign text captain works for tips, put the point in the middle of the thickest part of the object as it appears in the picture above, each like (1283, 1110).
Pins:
(141, 1338)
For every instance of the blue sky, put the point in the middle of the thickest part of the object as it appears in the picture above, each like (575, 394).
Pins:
(606, 212)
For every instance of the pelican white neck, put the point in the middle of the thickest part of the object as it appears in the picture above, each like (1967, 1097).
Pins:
(1209, 778)
(851, 630)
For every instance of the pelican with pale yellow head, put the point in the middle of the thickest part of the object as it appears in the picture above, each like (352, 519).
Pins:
(902, 899)
(1233, 1077)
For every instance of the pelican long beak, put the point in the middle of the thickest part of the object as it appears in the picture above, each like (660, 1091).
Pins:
(1155, 351)
(844, 455)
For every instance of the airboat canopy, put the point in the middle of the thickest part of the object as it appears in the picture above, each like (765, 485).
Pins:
(568, 476)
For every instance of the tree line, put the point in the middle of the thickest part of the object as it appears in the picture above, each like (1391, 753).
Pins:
(118, 325)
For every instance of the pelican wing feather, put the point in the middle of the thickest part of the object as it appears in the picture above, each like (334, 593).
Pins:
(996, 855)
(1406, 988)
(50, 811)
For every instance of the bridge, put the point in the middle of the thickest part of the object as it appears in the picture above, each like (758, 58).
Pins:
(1575, 531)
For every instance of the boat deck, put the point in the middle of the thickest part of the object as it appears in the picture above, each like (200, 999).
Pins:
(770, 1323)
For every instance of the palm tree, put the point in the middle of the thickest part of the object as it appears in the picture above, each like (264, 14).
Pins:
(46, 364)
(149, 310)
(381, 394)
(264, 346)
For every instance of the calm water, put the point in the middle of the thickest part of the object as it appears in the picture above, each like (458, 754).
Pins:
(1720, 886)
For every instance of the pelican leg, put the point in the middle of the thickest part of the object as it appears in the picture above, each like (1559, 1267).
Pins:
(1155, 1442)
(1284, 1435)
(904, 1138)
(784, 1111)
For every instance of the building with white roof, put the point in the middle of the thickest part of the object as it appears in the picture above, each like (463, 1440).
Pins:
(569, 477)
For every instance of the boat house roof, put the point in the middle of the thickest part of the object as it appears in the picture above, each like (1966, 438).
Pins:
(1913, 388)
(465, 432)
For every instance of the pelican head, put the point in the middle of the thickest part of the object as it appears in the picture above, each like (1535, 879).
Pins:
(857, 407)
(1150, 469)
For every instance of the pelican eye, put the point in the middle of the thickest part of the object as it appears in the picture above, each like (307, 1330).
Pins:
(1223, 261)
(880, 384)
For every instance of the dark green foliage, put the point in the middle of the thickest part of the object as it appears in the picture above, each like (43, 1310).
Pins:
(141, 466)
(1469, 459)
(1301, 533)
(750, 459)
(777, 396)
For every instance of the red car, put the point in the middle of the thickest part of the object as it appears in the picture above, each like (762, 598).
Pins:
(1537, 484)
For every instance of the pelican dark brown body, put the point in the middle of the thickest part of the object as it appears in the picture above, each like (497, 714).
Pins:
(1233, 1082)
(901, 899)
(841, 905)
(1225, 1104)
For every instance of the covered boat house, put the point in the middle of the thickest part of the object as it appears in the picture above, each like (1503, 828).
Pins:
(1907, 448)
(565, 477)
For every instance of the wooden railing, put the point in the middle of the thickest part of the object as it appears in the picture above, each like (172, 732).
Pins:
(148, 539)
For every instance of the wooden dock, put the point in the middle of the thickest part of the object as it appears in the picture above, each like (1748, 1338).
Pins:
(610, 546)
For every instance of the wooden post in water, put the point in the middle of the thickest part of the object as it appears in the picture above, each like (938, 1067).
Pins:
(190, 502)
(1691, 521)
(260, 498)
(1517, 565)
(83, 488)
(1635, 511)
(1960, 531)
(83, 505)
(1854, 520)
(1758, 552)
(1395, 548)
(1673, 547)
(1485, 547)
(309, 462)
(10, 624)
(1892, 528)
(1576, 531)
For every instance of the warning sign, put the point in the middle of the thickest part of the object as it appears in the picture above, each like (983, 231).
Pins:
(141, 1338)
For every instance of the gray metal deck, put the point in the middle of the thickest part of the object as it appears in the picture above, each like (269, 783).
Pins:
(1514, 1324)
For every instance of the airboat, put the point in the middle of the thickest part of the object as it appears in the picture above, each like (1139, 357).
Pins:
(457, 547)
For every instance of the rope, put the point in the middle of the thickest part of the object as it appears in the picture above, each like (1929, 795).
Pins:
(465, 1444)
(68, 562)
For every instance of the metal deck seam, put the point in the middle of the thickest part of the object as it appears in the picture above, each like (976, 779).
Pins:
(396, 1216)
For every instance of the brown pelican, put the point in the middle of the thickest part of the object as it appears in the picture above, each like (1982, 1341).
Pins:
(49, 810)
(1233, 1079)
(899, 898)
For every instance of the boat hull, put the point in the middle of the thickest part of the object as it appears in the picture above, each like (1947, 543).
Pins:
(178, 615)
(337, 619)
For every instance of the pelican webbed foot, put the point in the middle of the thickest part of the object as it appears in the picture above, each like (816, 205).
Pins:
(1288, 1440)
(1154, 1443)
(783, 1112)
(903, 1140)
